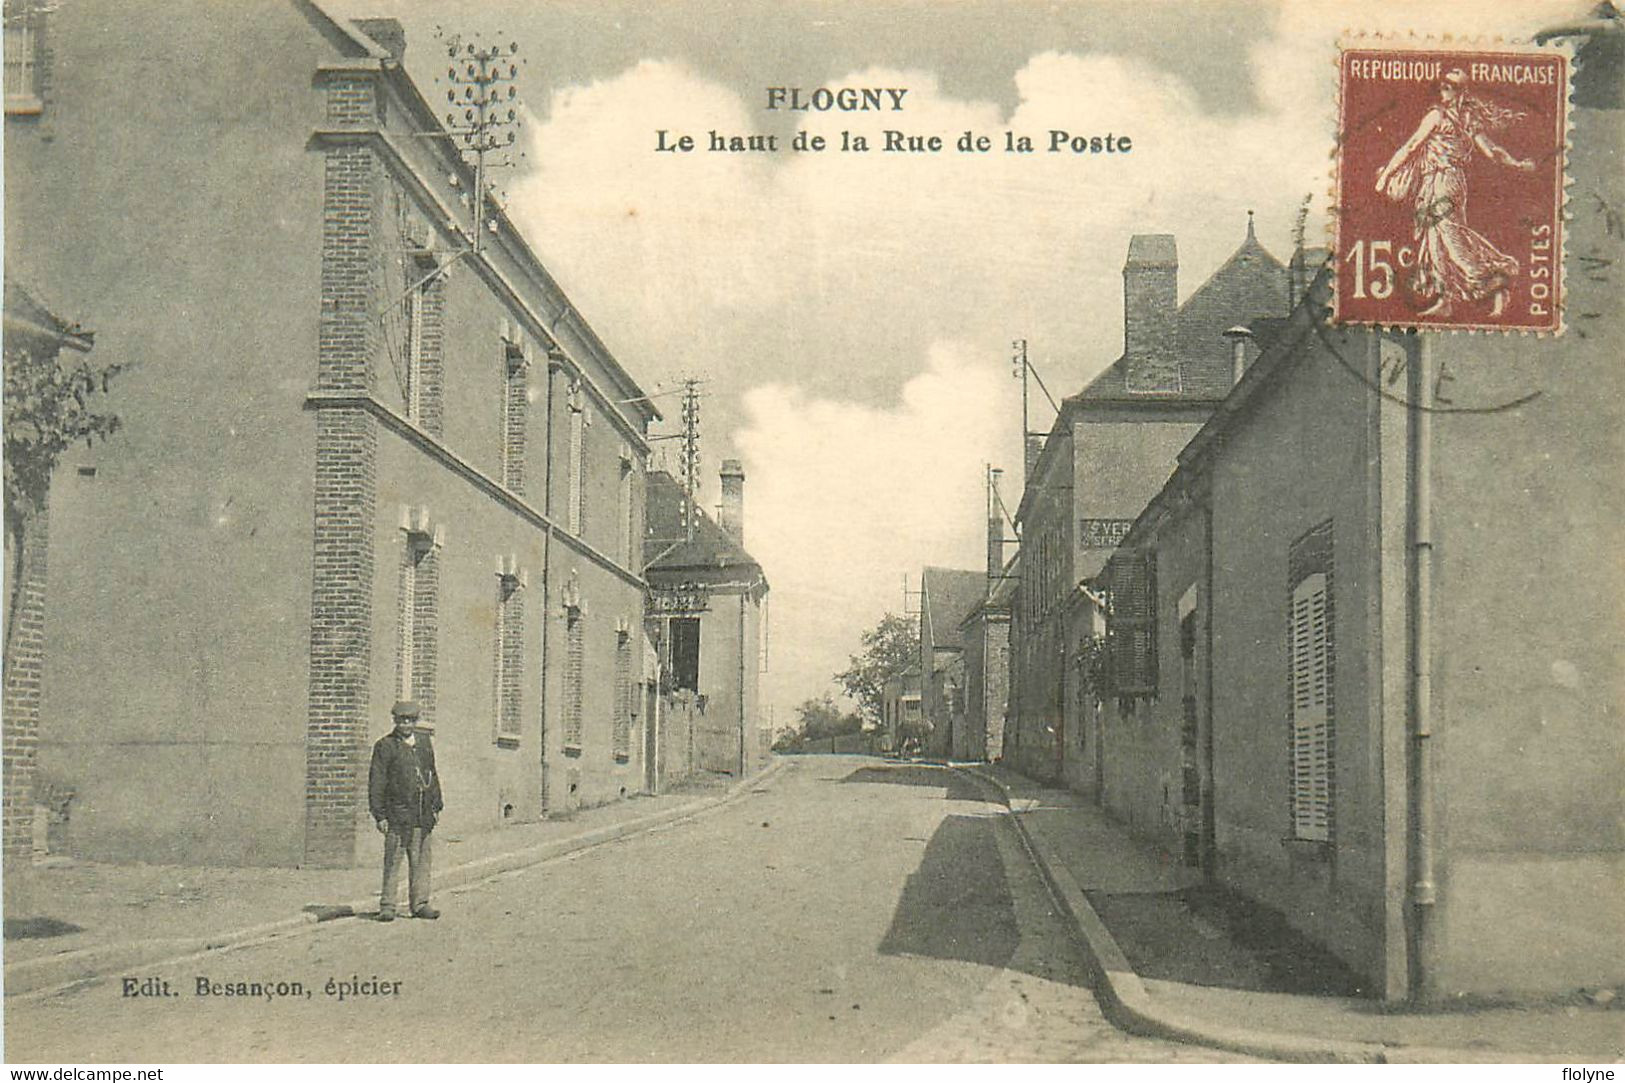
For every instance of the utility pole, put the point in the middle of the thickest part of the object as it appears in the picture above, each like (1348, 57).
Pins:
(484, 112)
(690, 464)
(1021, 368)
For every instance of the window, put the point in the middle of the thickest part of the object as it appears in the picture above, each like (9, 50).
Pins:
(24, 71)
(576, 509)
(625, 509)
(515, 407)
(621, 740)
(415, 305)
(509, 654)
(574, 656)
(685, 653)
(1131, 627)
(1311, 656)
(406, 639)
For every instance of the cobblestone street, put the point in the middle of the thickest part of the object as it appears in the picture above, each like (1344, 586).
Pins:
(846, 911)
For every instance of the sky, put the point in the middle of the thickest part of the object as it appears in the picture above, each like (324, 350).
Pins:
(852, 314)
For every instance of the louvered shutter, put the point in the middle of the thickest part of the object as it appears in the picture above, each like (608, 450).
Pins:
(1309, 657)
(1131, 626)
(621, 737)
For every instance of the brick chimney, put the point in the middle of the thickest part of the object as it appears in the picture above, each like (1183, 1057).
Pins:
(995, 528)
(732, 515)
(1150, 305)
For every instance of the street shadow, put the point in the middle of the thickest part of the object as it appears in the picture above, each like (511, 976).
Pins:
(957, 904)
(1209, 935)
(958, 786)
(38, 928)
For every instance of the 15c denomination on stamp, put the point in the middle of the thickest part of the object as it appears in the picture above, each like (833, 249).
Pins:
(1450, 180)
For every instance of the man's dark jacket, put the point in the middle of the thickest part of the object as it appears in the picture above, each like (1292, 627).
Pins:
(403, 786)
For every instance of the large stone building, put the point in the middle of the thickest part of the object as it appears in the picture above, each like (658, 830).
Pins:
(1112, 446)
(709, 620)
(363, 456)
(1366, 671)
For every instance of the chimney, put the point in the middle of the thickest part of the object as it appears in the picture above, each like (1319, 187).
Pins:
(388, 33)
(1238, 337)
(732, 515)
(995, 528)
(1035, 448)
(1301, 271)
(1150, 304)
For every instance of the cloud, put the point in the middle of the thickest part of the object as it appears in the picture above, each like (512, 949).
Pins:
(842, 498)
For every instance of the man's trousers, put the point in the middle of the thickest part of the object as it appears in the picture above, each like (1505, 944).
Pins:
(413, 842)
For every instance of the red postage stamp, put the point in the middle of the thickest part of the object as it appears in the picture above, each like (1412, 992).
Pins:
(1450, 188)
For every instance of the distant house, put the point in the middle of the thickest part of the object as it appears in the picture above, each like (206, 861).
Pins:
(1110, 450)
(708, 618)
(900, 706)
(947, 596)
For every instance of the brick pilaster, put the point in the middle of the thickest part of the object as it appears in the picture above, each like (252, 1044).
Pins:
(346, 491)
(23, 695)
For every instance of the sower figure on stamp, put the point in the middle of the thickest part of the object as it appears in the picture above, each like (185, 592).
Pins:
(1454, 262)
(403, 793)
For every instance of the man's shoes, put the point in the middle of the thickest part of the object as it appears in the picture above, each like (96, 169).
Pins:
(427, 913)
(386, 915)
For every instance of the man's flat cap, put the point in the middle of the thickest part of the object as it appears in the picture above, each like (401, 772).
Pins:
(406, 708)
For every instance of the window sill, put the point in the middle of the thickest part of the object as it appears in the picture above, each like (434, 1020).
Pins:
(507, 742)
(1311, 849)
(24, 107)
(621, 757)
(573, 751)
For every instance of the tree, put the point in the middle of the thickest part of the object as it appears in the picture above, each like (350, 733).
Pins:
(889, 648)
(48, 407)
(820, 718)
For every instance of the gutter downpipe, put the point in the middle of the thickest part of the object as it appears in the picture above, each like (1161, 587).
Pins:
(1424, 891)
(743, 594)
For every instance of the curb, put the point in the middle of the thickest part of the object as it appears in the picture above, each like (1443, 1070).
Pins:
(52, 973)
(1129, 1006)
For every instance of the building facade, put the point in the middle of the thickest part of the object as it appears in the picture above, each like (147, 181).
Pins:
(708, 619)
(368, 453)
(1112, 447)
(1418, 769)
(947, 596)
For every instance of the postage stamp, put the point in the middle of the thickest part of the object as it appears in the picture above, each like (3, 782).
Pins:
(1450, 174)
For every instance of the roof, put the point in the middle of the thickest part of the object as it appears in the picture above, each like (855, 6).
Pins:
(1279, 354)
(1250, 283)
(24, 314)
(947, 596)
(1001, 592)
(665, 548)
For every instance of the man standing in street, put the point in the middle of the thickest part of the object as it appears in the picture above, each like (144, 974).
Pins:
(403, 792)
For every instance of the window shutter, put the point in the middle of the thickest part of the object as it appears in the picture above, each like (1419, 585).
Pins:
(1132, 624)
(1309, 659)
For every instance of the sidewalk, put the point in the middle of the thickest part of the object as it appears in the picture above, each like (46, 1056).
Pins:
(1190, 961)
(132, 915)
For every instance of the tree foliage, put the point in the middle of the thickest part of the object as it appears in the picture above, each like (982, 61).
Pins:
(49, 406)
(889, 648)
